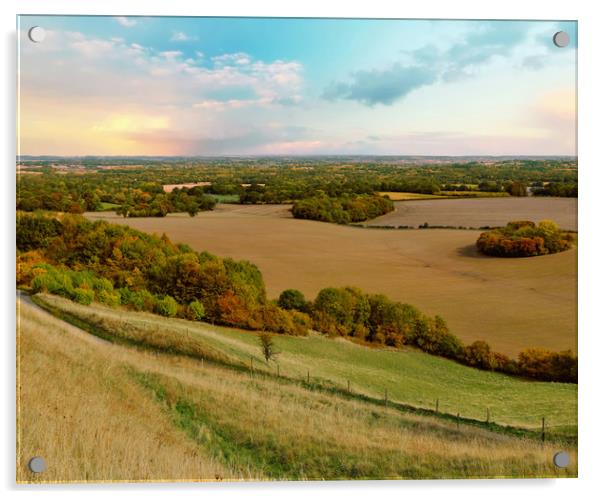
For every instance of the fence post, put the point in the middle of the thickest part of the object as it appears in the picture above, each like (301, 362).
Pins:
(458, 421)
(386, 397)
(278, 367)
(488, 414)
(348, 386)
(543, 429)
(437, 406)
(308, 376)
(251, 365)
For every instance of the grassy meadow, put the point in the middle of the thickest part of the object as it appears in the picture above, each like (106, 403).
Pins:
(119, 412)
(409, 376)
(512, 304)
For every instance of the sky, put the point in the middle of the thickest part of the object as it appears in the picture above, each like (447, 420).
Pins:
(186, 86)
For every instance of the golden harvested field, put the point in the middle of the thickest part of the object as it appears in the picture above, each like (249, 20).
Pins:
(512, 303)
(494, 211)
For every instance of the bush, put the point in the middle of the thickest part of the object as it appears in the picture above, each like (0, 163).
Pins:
(548, 366)
(83, 296)
(197, 309)
(167, 307)
(524, 238)
(110, 298)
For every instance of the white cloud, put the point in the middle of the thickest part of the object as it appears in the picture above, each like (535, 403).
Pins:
(126, 21)
(180, 36)
(171, 54)
(239, 58)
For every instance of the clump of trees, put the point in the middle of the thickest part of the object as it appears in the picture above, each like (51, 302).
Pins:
(376, 319)
(525, 238)
(517, 189)
(342, 210)
(145, 272)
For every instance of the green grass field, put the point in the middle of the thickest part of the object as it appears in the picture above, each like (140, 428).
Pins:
(409, 377)
(108, 206)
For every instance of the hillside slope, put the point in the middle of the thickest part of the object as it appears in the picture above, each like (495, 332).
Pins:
(111, 412)
(408, 376)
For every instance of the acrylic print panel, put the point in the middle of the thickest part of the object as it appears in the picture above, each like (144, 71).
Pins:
(296, 249)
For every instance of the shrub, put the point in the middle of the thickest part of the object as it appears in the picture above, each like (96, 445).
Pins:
(548, 366)
(83, 296)
(111, 298)
(197, 309)
(479, 354)
(167, 306)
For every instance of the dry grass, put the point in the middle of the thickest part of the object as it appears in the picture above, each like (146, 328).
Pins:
(79, 409)
(512, 303)
(105, 412)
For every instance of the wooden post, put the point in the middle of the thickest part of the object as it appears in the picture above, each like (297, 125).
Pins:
(308, 376)
(348, 386)
(278, 367)
(458, 421)
(488, 414)
(251, 364)
(437, 406)
(543, 429)
(386, 397)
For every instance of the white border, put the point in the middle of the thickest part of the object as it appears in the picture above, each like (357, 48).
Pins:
(590, 276)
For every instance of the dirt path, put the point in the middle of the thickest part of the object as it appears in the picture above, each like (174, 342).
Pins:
(24, 300)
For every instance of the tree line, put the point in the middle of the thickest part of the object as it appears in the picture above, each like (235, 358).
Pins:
(137, 185)
(342, 210)
(374, 318)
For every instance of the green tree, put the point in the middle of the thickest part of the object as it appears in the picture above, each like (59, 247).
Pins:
(292, 299)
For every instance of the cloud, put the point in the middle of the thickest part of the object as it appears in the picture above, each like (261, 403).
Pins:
(382, 86)
(481, 45)
(180, 36)
(238, 58)
(170, 54)
(126, 21)
(127, 98)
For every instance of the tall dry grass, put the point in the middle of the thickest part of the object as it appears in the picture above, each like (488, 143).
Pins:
(80, 409)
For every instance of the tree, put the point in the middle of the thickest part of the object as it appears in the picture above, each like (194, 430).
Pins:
(517, 189)
(268, 348)
(292, 299)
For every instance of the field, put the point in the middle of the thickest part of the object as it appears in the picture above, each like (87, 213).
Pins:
(512, 303)
(120, 412)
(410, 196)
(492, 212)
(414, 196)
